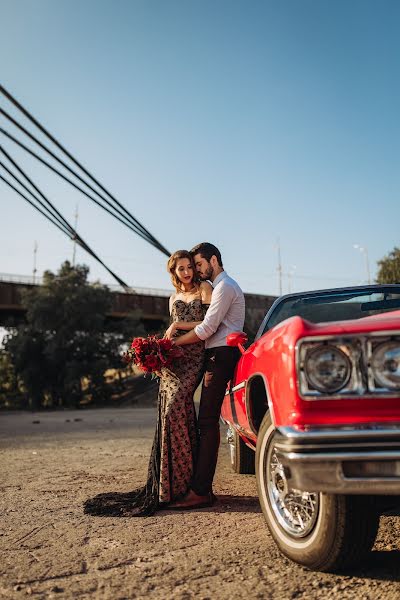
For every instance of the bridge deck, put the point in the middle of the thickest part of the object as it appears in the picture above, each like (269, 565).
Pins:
(153, 306)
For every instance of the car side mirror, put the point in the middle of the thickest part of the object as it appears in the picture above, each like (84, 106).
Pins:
(238, 338)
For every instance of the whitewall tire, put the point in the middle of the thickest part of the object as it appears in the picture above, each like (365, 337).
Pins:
(324, 532)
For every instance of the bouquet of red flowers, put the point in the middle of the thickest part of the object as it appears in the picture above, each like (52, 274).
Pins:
(151, 354)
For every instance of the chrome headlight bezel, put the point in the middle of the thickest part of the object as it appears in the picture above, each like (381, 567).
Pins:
(359, 349)
(377, 368)
(321, 352)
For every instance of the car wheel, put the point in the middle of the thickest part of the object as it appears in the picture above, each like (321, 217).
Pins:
(324, 532)
(242, 457)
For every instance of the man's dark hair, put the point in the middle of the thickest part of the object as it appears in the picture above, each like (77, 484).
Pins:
(207, 250)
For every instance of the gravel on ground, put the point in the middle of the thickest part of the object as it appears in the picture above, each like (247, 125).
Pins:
(51, 462)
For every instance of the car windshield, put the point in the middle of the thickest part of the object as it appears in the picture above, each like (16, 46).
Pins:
(334, 306)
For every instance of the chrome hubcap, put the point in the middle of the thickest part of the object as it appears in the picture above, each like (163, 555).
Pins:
(295, 510)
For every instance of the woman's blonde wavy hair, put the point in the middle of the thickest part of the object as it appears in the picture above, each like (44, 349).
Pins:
(171, 267)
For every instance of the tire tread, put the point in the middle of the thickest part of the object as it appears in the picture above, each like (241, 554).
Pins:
(355, 534)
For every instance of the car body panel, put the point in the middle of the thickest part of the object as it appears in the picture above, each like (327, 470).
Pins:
(273, 364)
(273, 356)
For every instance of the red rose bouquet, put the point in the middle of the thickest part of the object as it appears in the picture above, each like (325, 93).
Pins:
(151, 354)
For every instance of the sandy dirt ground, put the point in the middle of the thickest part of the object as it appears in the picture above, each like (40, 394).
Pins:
(52, 462)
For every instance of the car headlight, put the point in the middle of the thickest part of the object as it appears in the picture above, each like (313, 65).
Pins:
(385, 365)
(327, 368)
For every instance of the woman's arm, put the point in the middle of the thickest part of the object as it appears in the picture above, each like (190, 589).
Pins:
(182, 325)
(205, 291)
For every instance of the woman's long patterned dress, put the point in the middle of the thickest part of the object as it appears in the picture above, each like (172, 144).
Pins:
(175, 442)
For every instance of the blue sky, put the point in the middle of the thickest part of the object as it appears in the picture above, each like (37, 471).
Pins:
(235, 122)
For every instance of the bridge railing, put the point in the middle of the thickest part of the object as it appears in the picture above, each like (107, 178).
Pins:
(31, 280)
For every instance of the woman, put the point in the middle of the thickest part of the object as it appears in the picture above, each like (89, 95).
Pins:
(174, 446)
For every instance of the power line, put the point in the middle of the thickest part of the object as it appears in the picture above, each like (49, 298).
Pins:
(327, 277)
(77, 163)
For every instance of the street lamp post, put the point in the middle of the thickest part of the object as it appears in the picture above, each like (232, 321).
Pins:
(279, 268)
(290, 275)
(35, 248)
(364, 251)
(74, 249)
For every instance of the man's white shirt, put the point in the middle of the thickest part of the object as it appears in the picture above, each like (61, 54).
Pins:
(225, 314)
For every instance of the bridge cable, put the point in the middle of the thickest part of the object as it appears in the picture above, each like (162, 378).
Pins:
(38, 200)
(34, 205)
(135, 228)
(77, 163)
(55, 212)
(49, 166)
(33, 120)
(71, 231)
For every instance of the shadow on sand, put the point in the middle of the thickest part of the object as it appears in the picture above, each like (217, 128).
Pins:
(119, 504)
(381, 565)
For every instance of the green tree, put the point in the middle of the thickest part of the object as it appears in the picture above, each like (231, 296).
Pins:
(389, 267)
(66, 344)
(11, 390)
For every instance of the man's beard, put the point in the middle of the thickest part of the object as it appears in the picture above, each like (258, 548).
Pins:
(208, 274)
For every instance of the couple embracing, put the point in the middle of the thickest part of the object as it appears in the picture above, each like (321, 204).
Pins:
(184, 453)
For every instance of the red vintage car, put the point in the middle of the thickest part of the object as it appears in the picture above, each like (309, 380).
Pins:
(314, 410)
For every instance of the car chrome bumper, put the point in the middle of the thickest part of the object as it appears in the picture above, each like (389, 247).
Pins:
(341, 460)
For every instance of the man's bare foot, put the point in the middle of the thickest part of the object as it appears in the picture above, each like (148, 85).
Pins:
(193, 500)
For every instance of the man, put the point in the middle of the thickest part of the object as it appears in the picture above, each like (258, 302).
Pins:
(224, 316)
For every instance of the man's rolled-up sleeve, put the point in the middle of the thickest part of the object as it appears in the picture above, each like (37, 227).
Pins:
(220, 302)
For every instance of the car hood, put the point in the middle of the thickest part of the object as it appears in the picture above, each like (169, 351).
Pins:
(382, 322)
